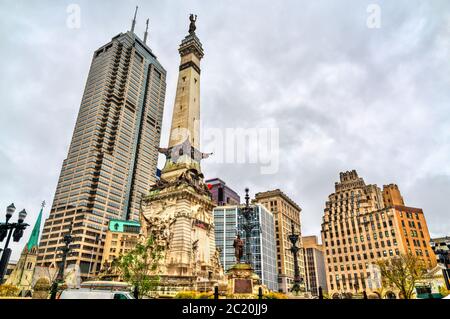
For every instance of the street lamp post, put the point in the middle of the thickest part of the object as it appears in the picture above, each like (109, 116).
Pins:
(66, 249)
(6, 231)
(65, 252)
(248, 213)
(443, 259)
(294, 250)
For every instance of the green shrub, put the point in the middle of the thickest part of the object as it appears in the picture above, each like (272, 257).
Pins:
(186, 295)
(241, 296)
(274, 295)
(443, 291)
(205, 295)
(9, 291)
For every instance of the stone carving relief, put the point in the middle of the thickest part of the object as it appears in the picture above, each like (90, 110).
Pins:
(199, 213)
(216, 260)
(195, 258)
(190, 177)
(159, 228)
(159, 208)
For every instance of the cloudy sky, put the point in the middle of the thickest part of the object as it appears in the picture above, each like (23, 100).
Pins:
(343, 93)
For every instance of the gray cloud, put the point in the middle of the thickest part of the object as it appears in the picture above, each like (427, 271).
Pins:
(344, 96)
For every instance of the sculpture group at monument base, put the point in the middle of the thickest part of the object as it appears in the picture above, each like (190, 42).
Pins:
(169, 286)
(241, 281)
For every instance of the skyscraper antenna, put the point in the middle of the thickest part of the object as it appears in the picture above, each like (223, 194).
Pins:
(133, 24)
(146, 32)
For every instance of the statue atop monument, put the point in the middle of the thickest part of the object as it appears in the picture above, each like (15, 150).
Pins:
(192, 27)
(238, 246)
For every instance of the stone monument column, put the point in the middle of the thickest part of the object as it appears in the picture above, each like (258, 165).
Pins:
(181, 195)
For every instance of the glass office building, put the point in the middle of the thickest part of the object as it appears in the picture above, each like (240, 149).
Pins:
(228, 221)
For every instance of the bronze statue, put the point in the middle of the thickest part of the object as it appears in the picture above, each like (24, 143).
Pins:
(238, 246)
(193, 19)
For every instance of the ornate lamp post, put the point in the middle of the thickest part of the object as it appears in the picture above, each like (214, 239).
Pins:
(293, 238)
(7, 230)
(66, 249)
(249, 215)
(65, 252)
(443, 259)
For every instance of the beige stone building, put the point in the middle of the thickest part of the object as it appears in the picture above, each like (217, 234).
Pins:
(112, 157)
(358, 229)
(9, 269)
(121, 237)
(286, 213)
(315, 273)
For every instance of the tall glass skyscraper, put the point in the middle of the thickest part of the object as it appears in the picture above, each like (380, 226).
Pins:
(228, 221)
(113, 153)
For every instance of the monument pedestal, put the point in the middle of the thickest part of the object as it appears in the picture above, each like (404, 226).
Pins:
(177, 213)
(242, 280)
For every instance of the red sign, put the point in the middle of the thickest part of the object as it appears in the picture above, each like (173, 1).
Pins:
(200, 224)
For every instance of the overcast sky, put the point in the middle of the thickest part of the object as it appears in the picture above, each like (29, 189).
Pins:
(344, 96)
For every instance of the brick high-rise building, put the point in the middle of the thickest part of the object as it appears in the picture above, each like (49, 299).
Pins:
(286, 213)
(392, 196)
(358, 229)
(414, 234)
(113, 153)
